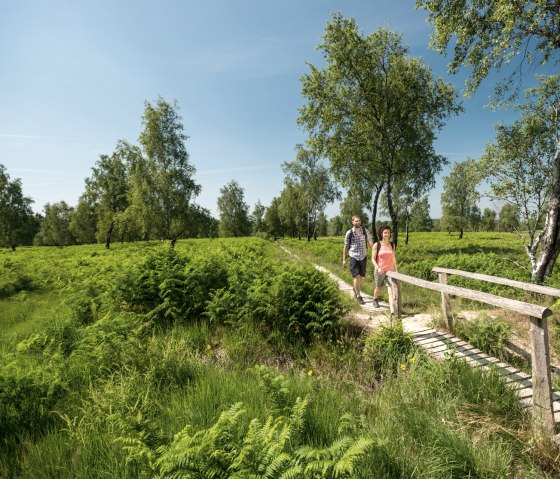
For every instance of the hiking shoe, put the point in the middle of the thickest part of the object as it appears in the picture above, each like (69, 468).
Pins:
(375, 303)
(360, 300)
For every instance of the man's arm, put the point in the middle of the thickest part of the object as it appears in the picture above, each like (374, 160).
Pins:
(344, 254)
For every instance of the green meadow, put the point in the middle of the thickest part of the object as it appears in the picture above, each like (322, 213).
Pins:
(229, 358)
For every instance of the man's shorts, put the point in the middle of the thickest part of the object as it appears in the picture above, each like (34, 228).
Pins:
(381, 278)
(358, 267)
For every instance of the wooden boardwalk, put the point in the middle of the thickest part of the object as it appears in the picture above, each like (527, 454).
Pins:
(441, 345)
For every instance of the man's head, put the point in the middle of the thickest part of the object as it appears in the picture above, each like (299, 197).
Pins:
(356, 221)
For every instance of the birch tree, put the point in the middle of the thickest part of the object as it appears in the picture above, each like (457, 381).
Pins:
(512, 38)
(374, 111)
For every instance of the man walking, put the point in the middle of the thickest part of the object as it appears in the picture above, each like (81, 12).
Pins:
(355, 245)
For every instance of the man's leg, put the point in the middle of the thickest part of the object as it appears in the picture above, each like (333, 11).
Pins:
(358, 280)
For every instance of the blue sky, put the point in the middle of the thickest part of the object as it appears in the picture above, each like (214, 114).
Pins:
(75, 76)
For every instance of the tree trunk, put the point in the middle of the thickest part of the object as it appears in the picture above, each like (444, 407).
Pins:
(406, 234)
(109, 233)
(172, 243)
(378, 190)
(461, 233)
(392, 214)
(550, 244)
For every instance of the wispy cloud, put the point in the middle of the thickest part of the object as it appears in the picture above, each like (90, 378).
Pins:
(249, 56)
(238, 169)
(32, 137)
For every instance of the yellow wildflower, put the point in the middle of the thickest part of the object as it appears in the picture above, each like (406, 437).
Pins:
(403, 367)
(208, 347)
(411, 360)
(310, 372)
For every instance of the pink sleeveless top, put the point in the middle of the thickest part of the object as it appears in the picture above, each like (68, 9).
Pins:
(386, 259)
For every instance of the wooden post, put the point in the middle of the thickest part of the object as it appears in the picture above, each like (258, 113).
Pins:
(542, 386)
(445, 304)
(395, 297)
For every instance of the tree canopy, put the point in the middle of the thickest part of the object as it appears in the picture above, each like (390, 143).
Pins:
(234, 212)
(512, 35)
(17, 225)
(459, 197)
(373, 111)
(162, 184)
(315, 184)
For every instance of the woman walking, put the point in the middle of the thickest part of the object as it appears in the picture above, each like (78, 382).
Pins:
(383, 260)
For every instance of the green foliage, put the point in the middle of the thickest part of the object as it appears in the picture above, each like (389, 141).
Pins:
(261, 450)
(362, 76)
(112, 342)
(459, 197)
(55, 227)
(316, 186)
(167, 286)
(13, 282)
(305, 305)
(487, 35)
(170, 363)
(486, 333)
(234, 212)
(387, 347)
(162, 184)
(123, 385)
(28, 395)
(17, 225)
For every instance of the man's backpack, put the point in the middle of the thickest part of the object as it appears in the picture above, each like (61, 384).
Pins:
(365, 233)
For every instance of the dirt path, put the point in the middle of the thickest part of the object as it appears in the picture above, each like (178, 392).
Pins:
(372, 316)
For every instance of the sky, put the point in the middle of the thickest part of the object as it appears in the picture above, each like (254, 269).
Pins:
(75, 77)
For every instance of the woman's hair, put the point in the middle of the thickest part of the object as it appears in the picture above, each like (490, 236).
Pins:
(381, 229)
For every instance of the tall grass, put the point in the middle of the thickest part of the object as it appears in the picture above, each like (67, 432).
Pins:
(119, 392)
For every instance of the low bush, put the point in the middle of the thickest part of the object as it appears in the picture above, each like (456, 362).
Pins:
(29, 393)
(387, 347)
(487, 334)
(304, 304)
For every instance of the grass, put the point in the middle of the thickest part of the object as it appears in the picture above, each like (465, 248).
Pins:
(424, 419)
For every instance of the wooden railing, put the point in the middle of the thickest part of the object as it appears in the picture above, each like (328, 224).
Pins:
(443, 272)
(542, 385)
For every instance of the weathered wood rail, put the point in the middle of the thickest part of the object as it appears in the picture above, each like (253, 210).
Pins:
(541, 378)
(530, 287)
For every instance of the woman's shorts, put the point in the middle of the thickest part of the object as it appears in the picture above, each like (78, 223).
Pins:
(358, 267)
(381, 278)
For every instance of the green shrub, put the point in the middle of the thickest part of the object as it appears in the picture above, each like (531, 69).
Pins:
(12, 283)
(113, 342)
(154, 287)
(171, 364)
(487, 334)
(387, 347)
(307, 305)
(86, 300)
(28, 395)
(60, 336)
(202, 277)
(271, 449)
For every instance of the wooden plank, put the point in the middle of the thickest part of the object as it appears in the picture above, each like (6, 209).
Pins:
(542, 384)
(445, 304)
(525, 392)
(535, 288)
(438, 348)
(422, 342)
(528, 309)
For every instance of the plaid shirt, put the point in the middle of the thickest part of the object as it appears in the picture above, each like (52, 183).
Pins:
(357, 242)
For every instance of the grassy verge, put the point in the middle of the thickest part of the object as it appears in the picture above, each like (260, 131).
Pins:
(134, 379)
